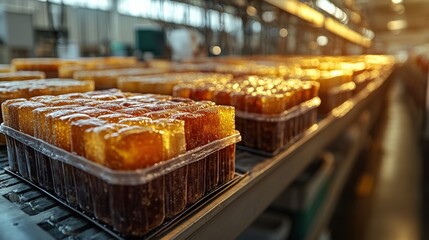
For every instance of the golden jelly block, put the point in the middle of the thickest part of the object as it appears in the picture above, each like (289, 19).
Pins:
(183, 100)
(134, 148)
(164, 105)
(58, 102)
(203, 93)
(134, 111)
(174, 133)
(5, 110)
(62, 129)
(77, 132)
(227, 120)
(43, 98)
(195, 106)
(137, 121)
(222, 97)
(13, 113)
(95, 142)
(253, 103)
(38, 91)
(51, 117)
(95, 112)
(193, 125)
(183, 90)
(238, 100)
(39, 116)
(174, 140)
(161, 114)
(273, 104)
(26, 120)
(209, 129)
(104, 97)
(114, 118)
(109, 106)
(74, 96)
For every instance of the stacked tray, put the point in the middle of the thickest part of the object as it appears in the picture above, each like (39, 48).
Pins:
(133, 194)
(271, 112)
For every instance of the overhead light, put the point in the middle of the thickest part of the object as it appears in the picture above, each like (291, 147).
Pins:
(216, 50)
(370, 34)
(268, 16)
(283, 32)
(399, 8)
(318, 19)
(396, 1)
(397, 25)
(256, 26)
(300, 10)
(322, 40)
(251, 11)
(333, 10)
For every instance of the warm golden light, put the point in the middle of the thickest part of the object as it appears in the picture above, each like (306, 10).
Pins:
(315, 17)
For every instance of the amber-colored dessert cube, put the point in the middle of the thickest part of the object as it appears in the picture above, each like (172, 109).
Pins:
(95, 143)
(203, 93)
(58, 102)
(109, 106)
(134, 111)
(183, 100)
(95, 112)
(26, 120)
(183, 90)
(161, 114)
(174, 133)
(74, 96)
(138, 121)
(38, 91)
(227, 120)
(238, 100)
(7, 118)
(134, 148)
(114, 117)
(273, 103)
(104, 97)
(163, 105)
(77, 131)
(223, 97)
(39, 119)
(43, 98)
(62, 129)
(253, 103)
(193, 124)
(13, 113)
(195, 106)
(51, 118)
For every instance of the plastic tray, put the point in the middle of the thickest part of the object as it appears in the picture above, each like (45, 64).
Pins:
(269, 134)
(155, 233)
(132, 202)
(336, 96)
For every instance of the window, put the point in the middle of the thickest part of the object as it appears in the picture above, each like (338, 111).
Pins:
(93, 4)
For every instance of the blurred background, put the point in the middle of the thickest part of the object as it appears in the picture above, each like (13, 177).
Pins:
(382, 195)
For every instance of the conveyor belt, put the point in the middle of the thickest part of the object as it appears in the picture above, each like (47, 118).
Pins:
(27, 213)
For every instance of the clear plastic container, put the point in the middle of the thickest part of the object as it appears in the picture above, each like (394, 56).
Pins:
(132, 202)
(336, 96)
(271, 133)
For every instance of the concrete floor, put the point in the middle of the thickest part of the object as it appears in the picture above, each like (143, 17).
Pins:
(385, 194)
